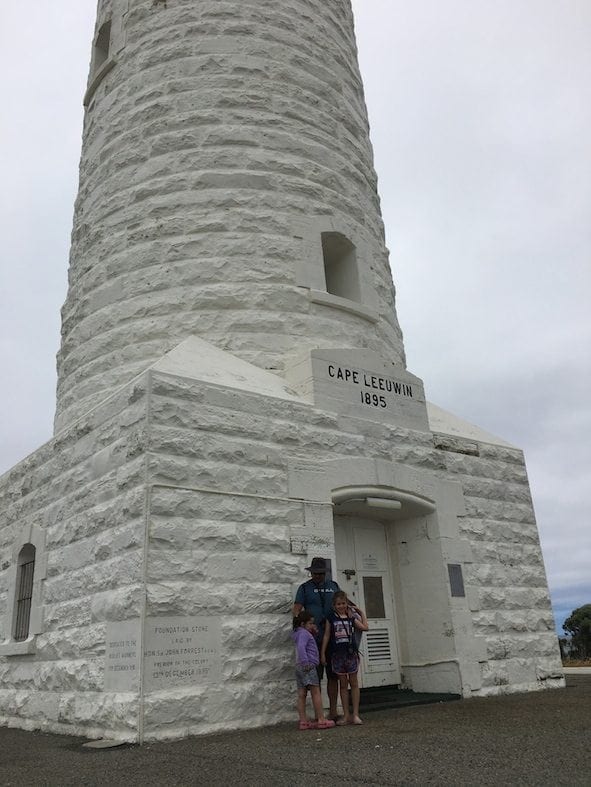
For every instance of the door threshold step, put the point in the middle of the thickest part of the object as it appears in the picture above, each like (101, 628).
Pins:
(387, 697)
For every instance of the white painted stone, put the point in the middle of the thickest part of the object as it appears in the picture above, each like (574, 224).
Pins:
(122, 661)
(447, 423)
(199, 453)
(103, 743)
(181, 651)
(199, 360)
(360, 383)
(195, 193)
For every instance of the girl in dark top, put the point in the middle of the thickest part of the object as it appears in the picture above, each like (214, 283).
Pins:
(339, 632)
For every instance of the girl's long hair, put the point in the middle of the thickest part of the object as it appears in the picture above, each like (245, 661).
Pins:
(302, 618)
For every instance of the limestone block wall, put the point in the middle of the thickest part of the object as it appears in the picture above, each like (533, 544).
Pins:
(509, 592)
(85, 490)
(204, 439)
(171, 500)
(223, 139)
(220, 522)
(226, 557)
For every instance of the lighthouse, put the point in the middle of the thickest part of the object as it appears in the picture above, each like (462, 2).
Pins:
(233, 399)
(227, 191)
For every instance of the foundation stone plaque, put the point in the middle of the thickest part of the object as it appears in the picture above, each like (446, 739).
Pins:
(181, 651)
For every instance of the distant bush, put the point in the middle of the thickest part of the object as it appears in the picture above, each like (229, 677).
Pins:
(578, 625)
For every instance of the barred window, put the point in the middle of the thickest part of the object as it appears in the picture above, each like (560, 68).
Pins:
(24, 592)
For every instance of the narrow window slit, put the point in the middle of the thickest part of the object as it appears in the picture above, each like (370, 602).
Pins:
(24, 583)
(102, 46)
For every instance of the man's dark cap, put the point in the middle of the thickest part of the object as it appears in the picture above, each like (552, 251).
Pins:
(318, 566)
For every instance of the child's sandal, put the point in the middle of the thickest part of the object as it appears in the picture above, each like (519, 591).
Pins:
(325, 724)
(307, 725)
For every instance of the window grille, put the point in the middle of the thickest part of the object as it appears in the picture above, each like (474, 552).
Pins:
(24, 583)
(378, 646)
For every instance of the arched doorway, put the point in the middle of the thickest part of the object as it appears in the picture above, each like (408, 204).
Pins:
(365, 519)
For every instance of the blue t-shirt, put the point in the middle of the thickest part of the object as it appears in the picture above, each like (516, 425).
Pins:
(317, 599)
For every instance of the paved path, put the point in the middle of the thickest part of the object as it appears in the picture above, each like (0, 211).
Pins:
(543, 738)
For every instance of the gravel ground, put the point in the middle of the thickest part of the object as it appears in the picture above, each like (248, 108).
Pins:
(543, 738)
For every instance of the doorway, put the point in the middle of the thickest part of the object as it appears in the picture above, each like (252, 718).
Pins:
(364, 573)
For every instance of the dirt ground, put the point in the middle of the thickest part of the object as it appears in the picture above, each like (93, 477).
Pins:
(541, 738)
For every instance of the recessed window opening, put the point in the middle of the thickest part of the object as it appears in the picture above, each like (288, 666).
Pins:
(101, 46)
(24, 592)
(456, 580)
(373, 593)
(340, 266)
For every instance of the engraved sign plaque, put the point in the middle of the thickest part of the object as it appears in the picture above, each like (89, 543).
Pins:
(369, 561)
(360, 384)
(181, 651)
(122, 656)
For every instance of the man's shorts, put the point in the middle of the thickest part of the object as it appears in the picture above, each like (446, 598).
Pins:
(306, 677)
(329, 673)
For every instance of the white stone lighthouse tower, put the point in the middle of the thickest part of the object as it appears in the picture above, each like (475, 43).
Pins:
(227, 191)
(233, 400)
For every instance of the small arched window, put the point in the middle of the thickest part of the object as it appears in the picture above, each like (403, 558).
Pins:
(24, 592)
(340, 266)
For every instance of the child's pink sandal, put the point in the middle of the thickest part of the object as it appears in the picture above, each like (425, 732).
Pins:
(325, 724)
(307, 725)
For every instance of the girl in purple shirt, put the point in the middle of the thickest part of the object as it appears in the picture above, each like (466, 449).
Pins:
(307, 660)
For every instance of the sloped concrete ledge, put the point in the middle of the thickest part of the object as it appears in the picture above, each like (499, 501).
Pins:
(107, 66)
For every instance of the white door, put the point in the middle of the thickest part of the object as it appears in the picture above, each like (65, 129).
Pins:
(363, 572)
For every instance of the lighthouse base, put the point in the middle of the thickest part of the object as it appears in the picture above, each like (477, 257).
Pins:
(171, 525)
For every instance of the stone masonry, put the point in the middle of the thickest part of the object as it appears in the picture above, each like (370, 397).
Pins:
(233, 400)
(222, 140)
(171, 500)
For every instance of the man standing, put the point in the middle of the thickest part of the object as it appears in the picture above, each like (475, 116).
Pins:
(315, 595)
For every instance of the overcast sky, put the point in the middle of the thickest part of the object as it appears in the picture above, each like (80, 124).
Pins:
(481, 124)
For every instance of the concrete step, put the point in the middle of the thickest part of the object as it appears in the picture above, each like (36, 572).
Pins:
(384, 697)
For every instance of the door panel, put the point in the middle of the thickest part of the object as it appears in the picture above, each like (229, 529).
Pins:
(363, 567)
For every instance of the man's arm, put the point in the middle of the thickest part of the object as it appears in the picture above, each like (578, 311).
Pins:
(325, 639)
(300, 601)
